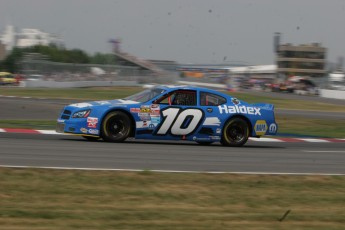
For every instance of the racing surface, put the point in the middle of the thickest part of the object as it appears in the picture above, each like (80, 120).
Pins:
(75, 152)
(255, 157)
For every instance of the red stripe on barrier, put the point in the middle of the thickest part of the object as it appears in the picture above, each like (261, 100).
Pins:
(30, 131)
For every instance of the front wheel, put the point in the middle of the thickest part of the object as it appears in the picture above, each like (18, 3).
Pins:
(116, 127)
(235, 133)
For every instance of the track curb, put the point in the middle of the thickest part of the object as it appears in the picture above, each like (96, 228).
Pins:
(263, 139)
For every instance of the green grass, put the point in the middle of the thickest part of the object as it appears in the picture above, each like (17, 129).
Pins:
(104, 93)
(28, 124)
(311, 126)
(94, 93)
(57, 199)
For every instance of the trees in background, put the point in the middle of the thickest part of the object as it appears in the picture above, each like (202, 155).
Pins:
(56, 54)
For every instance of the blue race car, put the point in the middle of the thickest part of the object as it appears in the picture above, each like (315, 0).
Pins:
(170, 113)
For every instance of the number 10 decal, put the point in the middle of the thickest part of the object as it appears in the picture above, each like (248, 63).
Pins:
(179, 122)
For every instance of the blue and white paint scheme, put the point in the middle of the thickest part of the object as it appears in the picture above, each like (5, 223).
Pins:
(171, 113)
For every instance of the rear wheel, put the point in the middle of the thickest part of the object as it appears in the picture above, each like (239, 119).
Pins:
(235, 133)
(116, 127)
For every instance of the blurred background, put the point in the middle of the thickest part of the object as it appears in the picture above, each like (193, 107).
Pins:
(291, 47)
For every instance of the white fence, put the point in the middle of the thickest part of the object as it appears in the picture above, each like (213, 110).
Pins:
(336, 94)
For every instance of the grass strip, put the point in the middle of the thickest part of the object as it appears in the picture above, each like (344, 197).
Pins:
(93, 93)
(57, 199)
(28, 124)
(106, 93)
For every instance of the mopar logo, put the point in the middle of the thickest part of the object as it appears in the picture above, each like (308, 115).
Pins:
(239, 109)
(273, 128)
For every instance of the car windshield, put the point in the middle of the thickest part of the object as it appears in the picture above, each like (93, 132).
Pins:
(145, 95)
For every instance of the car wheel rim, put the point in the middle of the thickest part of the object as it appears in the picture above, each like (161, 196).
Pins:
(235, 133)
(116, 127)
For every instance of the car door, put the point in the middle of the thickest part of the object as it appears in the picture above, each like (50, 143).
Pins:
(173, 116)
(210, 129)
(180, 115)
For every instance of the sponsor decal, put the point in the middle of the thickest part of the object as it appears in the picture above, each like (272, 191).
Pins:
(179, 122)
(144, 113)
(155, 110)
(239, 109)
(144, 124)
(81, 105)
(83, 130)
(155, 106)
(214, 121)
(92, 122)
(135, 110)
(201, 138)
(273, 128)
(145, 109)
(155, 119)
(260, 127)
(218, 130)
(215, 137)
(235, 101)
(94, 131)
(144, 116)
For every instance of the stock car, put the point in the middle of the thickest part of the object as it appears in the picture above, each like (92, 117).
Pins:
(170, 113)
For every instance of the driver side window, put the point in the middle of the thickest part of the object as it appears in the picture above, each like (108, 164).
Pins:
(179, 97)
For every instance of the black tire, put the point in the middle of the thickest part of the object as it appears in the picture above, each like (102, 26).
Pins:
(116, 127)
(235, 133)
(89, 138)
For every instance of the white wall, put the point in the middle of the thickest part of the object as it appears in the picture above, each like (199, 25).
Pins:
(336, 94)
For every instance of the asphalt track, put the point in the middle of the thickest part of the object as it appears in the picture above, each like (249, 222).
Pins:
(65, 151)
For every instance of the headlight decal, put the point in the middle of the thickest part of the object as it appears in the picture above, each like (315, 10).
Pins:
(81, 114)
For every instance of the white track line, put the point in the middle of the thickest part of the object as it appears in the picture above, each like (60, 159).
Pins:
(265, 139)
(323, 151)
(312, 140)
(49, 132)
